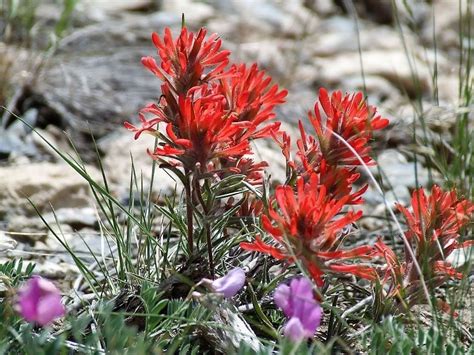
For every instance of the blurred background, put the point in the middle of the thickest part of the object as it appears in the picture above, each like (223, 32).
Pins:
(71, 68)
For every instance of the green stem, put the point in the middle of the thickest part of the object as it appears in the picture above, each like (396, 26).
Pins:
(207, 226)
(189, 212)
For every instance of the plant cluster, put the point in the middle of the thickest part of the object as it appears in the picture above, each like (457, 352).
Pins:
(205, 122)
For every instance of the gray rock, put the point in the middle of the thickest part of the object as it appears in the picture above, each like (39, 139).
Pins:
(6, 243)
(10, 142)
(45, 184)
(21, 129)
(390, 65)
(398, 173)
(339, 29)
(95, 87)
(77, 218)
(195, 12)
(56, 271)
(119, 147)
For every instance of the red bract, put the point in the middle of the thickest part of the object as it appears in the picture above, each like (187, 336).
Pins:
(200, 133)
(338, 179)
(434, 226)
(183, 61)
(350, 117)
(305, 227)
(209, 115)
(148, 126)
(251, 97)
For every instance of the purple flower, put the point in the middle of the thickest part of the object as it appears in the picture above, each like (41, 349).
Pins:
(298, 304)
(231, 283)
(39, 301)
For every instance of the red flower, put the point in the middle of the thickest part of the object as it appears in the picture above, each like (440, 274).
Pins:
(210, 115)
(434, 225)
(338, 179)
(305, 227)
(184, 61)
(250, 206)
(201, 132)
(351, 118)
(149, 126)
(251, 97)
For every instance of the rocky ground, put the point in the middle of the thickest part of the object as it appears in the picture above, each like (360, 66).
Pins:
(93, 81)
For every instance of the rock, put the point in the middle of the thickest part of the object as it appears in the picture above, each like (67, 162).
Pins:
(322, 7)
(373, 198)
(460, 257)
(398, 173)
(12, 143)
(6, 243)
(56, 271)
(194, 12)
(378, 89)
(95, 87)
(45, 184)
(116, 6)
(57, 138)
(254, 11)
(299, 102)
(77, 218)
(393, 66)
(28, 230)
(337, 30)
(447, 21)
(119, 148)
(21, 129)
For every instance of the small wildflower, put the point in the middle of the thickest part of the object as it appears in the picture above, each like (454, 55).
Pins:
(39, 301)
(298, 304)
(251, 98)
(229, 284)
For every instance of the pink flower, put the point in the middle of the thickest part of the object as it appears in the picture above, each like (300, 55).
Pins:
(39, 301)
(298, 304)
(231, 283)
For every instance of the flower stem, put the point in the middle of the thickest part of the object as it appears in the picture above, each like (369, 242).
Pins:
(189, 212)
(209, 249)
(207, 226)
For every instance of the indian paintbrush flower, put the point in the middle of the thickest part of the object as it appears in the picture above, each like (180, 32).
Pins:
(188, 60)
(351, 118)
(305, 226)
(210, 113)
(434, 225)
